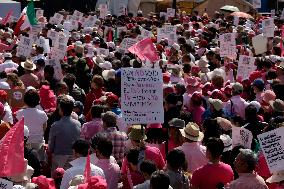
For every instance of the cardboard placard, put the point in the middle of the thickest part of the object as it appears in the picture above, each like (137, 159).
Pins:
(272, 145)
(259, 44)
(39, 13)
(268, 27)
(142, 95)
(5, 184)
(55, 63)
(228, 45)
(245, 66)
(127, 43)
(241, 136)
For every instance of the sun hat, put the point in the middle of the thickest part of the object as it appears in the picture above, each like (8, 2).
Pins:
(268, 96)
(111, 99)
(225, 124)
(237, 87)
(192, 132)
(193, 81)
(28, 65)
(176, 46)
(96, 182)
(277, 105)
(108, 74)
(43, 182)
(203, 63)
(276, 177)
(228, 142)
(7, 55)
(216, 103)
(137, 133)
(105, 65)
(78, 179)
(177, 123)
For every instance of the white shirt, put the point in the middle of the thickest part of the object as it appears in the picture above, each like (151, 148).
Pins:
(8, 64)
(144, 185)
(34, 120)
(8, 117)
(4, 84)
(78, 168)
(239, 106)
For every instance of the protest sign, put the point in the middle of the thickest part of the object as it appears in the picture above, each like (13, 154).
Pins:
(245, 66)
(127, 43)
(55, 63)
(77, 15)
(103, 10)
(272, 145)
(236, 20)
(16, 97)
(142, 95)
(268, 27)
(53, 35)
(44, 43)
(167, 32)
(145, 33)
(228, 45)
(39, 13)
(24, 47)
(102, 51)
(256, 4)
(5, 184)
(241, 136)
(170, 13)
(259, 44)
(122, 8)
(163, 14)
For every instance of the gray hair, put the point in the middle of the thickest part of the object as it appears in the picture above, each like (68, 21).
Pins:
(249, 157)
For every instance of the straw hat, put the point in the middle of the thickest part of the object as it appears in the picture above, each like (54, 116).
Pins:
(28, 65)
(276, 177)
(277, 105)
(137, 133)
(192, 132)
(177, 123)
(216, 103)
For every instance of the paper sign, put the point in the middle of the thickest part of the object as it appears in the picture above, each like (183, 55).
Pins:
(102, 51)
(44, 43)
(256, 4)
(103, 10)
(272, 13)
(228, 45)
(5, 184)
(268, 27)
(122, 8)
(170, 13)
(236, 20)
(53, 35)
(16, 97)
(24, 47)
(142, 95)
(241, 137)
(127, 43)
(272, 145)
(167, 32)
(259, 44)
(77, 15)
(55, 63)
(163, 14)
(145, 33)
(39, 13)
(245, 66)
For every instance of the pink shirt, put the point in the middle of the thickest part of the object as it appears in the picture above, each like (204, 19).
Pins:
(239, 106)
(91, 128)
(30, 80)
(248, 180)
(195, 155)
(4, 47)
(112, 172)
(208, 176)
(197, 114)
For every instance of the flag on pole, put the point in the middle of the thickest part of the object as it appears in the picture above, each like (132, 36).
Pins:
(87, 172)
(12, 151)
(7, 17)
(20, 22)
(31, 13)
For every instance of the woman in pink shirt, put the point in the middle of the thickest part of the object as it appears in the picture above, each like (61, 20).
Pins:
(196, 108)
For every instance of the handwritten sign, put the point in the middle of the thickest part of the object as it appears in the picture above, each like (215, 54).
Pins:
(142, 96)
(241, 136)
(272, 145)
(24, 47)
(102, 51)
(268, 27)
(259, 44)
(245, 66)
(127, 43)
(228, 45)
(5, 184)
(170, 13)
(167, 32)
(77, 15)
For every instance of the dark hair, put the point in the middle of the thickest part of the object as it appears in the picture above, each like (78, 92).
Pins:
(133, 155)
(159, 180)
(70, 80)
(66, 105)
(211, 129)
(251, 113)
(172, 158)
(40, 62)
(215, 146)
(31, 98)
(105, 147)
(148, 166)
(49, 69)
(81, 147)
(96, 111)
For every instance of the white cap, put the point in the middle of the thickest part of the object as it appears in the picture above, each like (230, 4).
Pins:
(255, 104)
(7, 55)
(105, 65)
(176, 46)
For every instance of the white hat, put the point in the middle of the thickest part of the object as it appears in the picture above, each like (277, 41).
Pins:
(30, 88)
(78, 43)
(7, 55)
(191, 43)
(28, 65)
(228, 142)
(105, 65)
(276, 177)
(111, 44)
(255, 104)
(26, 132)
(192, 132)
(202, 63)
(108, 74)
(176, 46)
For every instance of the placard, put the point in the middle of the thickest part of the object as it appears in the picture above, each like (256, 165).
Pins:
(142, 95)
(228, 45)
(171, 13)
(24, 47)
(127, 43)
(268, 27)
(53, 35)
(39, 13)
(259, 44)
(241, 137)
(167, 32)
(16, 97)
(102, 51)
(256, 4)
(77, 15)
(245, 66)
(272, 145)
(5, 184)
(103, 10)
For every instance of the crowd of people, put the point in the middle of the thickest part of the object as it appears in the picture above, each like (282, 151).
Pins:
(78, 117)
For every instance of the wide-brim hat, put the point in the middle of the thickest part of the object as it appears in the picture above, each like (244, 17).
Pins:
(192, 132)
(28, 65)
(276, 177)
(137, 133)
(177, 123)
(277, 105)
(216, 103)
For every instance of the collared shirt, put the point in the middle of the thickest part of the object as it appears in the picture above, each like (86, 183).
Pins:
(91, 128)
(8, 64)
(238, 107)
(118, 141)
(195, 154)
(78, 168)
(248, 181)
(111, 171)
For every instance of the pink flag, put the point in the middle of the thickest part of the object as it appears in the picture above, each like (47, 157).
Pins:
(145, 49)
(12, 151)
(7, 17)
(87, 172)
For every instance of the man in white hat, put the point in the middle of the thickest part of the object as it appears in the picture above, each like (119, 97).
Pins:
(278, 178)
(29, 78)
(194, 152)
(8, 63)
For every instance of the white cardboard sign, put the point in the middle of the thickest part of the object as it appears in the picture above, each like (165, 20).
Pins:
(245, 66)
(5, 184)
(241, 136)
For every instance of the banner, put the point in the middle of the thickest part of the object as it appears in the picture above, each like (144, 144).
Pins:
(245, 66)
(142, 95)
(272, 145)
(241, 137)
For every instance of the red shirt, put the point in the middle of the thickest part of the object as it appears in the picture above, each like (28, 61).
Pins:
(208, 176)
(91, 96)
